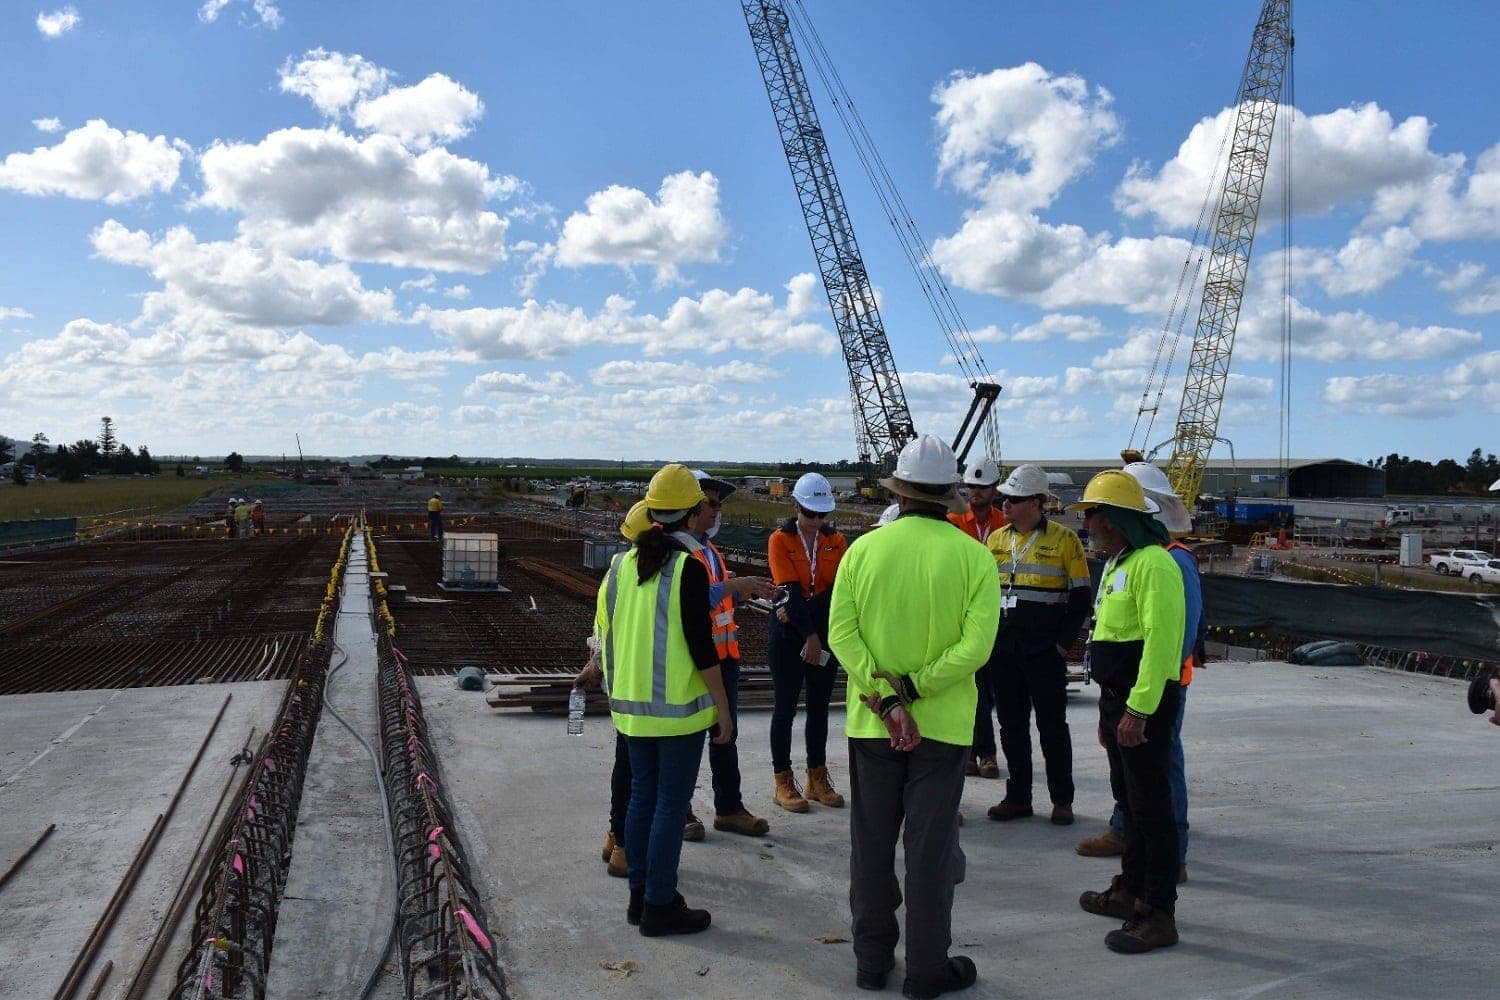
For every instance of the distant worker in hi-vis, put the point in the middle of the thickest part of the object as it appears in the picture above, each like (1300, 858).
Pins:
(435, 517)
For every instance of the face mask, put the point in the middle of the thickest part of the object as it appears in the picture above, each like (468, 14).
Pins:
(718, 520)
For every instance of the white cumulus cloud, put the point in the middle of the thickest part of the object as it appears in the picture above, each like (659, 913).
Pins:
(624, 226)
(433, 112)
(96, 162)
(658, 373)
(47, 125)
(333, 81)
(263, 13)
(519, 384)
(57, 23)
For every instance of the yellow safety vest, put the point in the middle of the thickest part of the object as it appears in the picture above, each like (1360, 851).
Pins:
(654, 685)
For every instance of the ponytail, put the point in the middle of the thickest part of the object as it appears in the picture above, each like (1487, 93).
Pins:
(654, 545)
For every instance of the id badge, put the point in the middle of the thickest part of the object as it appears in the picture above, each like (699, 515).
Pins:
(1008, 602)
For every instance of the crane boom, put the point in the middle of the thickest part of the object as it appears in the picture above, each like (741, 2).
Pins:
(882, 420)
(1229, 259)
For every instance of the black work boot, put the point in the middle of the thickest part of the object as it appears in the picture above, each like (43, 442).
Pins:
(1149, 928)
(1116, 901)
(637, 904)
(958, 974)
(673, 918)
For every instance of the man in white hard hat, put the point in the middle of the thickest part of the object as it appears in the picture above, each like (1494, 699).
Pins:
(915, 607)
(1173, 516)
(1044, 599)
(983, 518)
(724, 592)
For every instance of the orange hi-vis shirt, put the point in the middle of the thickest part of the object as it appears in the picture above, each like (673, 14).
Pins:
(970, 526)
(790, 562)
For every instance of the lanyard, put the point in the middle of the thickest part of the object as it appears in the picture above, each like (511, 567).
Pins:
(982, 531)
(1015, 557)
(812, 559)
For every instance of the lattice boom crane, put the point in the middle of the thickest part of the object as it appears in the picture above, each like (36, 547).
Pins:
(1229, 260)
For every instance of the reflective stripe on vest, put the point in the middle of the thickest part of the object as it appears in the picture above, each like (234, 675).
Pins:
(726, 632)
(658, 707)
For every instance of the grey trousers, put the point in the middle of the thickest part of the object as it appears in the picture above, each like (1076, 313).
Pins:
(920, 791)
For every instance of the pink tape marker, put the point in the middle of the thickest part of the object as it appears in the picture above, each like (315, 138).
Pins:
(472, 926)
(432, 842)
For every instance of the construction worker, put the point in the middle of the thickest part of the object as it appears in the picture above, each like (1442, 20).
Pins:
(435, 516)
(661, 667)
(1044, 599)
(258, 517)
(804, 555)
(724, 592)
(1135, 653)
(1174, 517)
(982, 519)
(913, 616)
(229, 522)
(242, 517)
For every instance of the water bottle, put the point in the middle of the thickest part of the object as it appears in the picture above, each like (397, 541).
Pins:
(575, 712)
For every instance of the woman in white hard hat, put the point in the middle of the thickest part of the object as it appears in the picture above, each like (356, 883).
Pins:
(804, 556)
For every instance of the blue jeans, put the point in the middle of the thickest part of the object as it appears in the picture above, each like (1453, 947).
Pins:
(663, 772)
(1178, 778)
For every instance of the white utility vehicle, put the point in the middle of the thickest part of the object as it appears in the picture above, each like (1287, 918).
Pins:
(1456, 562)
(1485, 572)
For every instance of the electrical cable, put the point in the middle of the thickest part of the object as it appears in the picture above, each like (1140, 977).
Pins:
(385, 810)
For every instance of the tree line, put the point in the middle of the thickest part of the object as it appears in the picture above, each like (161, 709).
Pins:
(84, 457)
(1422, 478)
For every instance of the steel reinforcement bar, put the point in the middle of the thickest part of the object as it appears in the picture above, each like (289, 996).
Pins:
(235, 920)
(447, 947)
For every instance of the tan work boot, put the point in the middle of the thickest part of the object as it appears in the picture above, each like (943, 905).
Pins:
(820, 788)
(1147, 929)
(1116, 901)
(989, 767)
(617, 865)
(609, 846)
(1106, 845)
(788, 795)
(692, 830)
(742, 822)
(971, 768)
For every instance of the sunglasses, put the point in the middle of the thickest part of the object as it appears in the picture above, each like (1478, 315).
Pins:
(1089, 512)
(1015, 500)
(816, 515)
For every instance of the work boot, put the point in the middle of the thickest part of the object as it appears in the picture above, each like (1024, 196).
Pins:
(1006, 811)
(958, 974)
(636, 907)
(1116, 901)
(1149, 928)
(788, 795)
(693, 828)
(1181, 874)
(1062, 815)
(740, 821)
(988, 767)
(870, 980)
(673, 918)
(617, 865)
(971, 768)
(1106, 845)
(609, 846)
(820, 789)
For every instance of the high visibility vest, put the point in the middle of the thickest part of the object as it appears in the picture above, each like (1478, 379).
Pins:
(726, 632)
(1192, 659)
(434, 506)
(654, 685)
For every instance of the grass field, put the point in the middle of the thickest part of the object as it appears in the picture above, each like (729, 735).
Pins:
(99, 496)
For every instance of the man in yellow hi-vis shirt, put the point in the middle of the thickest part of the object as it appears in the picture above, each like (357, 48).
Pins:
(914, 612)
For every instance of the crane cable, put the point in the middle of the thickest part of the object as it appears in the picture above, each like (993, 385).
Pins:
(914, 247)
(1289, 109)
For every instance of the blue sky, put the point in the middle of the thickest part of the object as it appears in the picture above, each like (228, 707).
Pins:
(565, 229)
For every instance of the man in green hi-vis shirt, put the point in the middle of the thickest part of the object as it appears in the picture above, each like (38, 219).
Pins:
(914, 613)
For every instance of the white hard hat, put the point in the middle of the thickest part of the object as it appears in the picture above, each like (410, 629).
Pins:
(927, 461)
(813, 492)
(1172, 513)
(888, 515)
(1025, 481)
(709, 482)
(984, 472)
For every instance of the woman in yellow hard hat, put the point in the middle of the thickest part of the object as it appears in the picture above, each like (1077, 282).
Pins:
(1135, 656)
(655, 634)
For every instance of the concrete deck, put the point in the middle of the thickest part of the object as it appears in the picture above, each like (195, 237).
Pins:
(1344, 832)
(102, 765)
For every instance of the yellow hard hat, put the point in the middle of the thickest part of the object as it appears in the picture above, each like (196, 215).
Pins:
(674, 487)
(1115, 488)
(637, 520)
